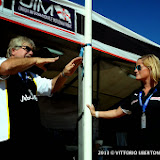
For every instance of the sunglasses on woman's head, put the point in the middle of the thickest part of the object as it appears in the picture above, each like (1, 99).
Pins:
(137, 67)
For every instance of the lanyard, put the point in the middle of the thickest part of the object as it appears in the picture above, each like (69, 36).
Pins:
(144, 106)
(26, 77)
(25, 81)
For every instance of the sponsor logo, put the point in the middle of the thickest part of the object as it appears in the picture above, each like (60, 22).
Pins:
(63, 13)
(37, 5)
(48, 11)
(28, 98)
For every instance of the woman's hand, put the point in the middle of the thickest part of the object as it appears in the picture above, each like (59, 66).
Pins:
(92, 109)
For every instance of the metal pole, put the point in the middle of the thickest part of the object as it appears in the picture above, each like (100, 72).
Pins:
(85, 124)
(87, 87)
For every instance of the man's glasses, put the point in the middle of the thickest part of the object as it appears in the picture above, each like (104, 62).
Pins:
(137, 67)
(28, 49)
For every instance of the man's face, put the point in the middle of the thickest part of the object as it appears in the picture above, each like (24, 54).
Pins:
(24, 51)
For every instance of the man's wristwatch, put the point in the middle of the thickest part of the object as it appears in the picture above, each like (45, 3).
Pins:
(63, 75)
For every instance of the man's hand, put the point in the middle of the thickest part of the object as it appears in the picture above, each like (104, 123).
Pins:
(14, 65)
(72, 66)
(69, 69)
(42, 61)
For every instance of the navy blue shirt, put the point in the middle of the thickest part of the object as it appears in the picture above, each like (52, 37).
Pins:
(151, 134)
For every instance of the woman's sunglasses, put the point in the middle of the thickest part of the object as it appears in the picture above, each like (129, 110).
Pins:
(137, 67)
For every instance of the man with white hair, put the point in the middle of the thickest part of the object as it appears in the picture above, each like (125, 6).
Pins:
(19, 88)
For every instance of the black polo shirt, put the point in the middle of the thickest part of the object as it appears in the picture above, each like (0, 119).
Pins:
(23, 109)
(151, 134)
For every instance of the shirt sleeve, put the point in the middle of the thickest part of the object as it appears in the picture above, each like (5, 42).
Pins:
(126, 105)
(2, 59)
(44, 85)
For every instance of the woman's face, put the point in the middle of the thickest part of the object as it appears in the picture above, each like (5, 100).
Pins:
(142, 72)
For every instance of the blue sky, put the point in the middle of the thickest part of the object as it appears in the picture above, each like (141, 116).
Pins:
(140, 16)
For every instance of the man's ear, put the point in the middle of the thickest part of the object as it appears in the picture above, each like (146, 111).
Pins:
(13, 51)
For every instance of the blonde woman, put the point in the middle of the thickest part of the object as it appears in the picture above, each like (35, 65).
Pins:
(143, 105)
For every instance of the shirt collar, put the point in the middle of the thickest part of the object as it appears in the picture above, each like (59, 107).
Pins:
(151, 90)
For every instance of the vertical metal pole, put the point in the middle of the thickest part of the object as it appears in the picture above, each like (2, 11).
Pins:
(85, 124)
(87, 87)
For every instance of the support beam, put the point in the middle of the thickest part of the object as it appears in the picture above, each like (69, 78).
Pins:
(85, 90)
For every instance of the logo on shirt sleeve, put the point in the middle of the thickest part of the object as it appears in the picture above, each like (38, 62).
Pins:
(155, 98)
(134, 101)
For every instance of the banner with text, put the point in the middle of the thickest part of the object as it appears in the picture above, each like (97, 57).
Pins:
(47, 11)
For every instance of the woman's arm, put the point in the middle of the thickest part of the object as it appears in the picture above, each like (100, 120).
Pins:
(116, 113)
